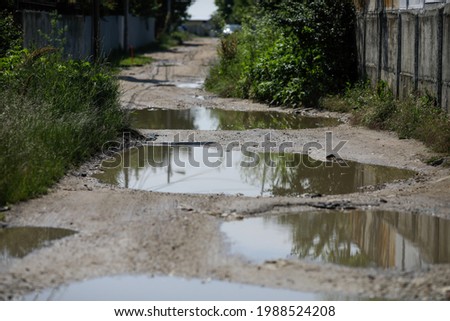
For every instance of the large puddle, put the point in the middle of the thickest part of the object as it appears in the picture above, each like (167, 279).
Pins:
(16, 242)
(363, 239)
(218, 119)
(203, 170)
(140, 288)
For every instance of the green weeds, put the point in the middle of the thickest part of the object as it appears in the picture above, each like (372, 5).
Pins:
(137, 57)
(290, 53)
(415, 116)
(139, 60)
(54, 113)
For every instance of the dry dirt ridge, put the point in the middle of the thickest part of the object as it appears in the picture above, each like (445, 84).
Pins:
(123, 231)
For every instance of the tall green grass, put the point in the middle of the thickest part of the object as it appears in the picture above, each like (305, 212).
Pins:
(54, 113)
(416, 116)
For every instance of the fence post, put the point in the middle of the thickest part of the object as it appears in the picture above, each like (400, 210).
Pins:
(380, 42)
(125, 24)
(440, 56)
(416, 52)
(399, 55)
(364, 46)
(95, 29)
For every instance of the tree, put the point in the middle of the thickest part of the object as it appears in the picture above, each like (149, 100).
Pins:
(170, 14)
(144, 8)
(234, 11)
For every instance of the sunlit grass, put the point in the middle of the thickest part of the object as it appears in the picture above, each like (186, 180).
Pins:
(54, 114)
(139, 60)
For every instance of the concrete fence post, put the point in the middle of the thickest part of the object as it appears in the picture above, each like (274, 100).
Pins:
(416, 52)
(364, 46)
(399, 55)
(381, 29)
(439, 58)
(445, 100)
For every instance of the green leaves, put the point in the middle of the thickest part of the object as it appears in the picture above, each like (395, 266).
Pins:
(292, 52)
(10, 34)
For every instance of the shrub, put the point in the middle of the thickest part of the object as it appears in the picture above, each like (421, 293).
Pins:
(10, 34)
(414, 117)
(54, 113)
(291, 53)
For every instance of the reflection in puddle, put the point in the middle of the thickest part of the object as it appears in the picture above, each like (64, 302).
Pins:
(134, 288)
(218, 119)
(20, 241)
(189, 85)
(363, 239)
(200, 170)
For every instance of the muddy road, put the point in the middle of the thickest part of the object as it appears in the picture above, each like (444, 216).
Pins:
(122, 231)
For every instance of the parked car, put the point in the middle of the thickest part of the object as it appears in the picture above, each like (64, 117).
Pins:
(230, 28)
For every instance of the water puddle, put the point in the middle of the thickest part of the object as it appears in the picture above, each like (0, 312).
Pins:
(360, 239)
(204, 170)
(16, 242)
(189, 85)
(218, 119)
(144, 288)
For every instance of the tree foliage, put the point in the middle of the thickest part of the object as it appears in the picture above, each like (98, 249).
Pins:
(10, 34)
(291, 52)
(234, 11)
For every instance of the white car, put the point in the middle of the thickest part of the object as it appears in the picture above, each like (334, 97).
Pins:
(229, 29)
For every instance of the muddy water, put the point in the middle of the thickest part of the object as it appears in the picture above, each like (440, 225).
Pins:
(136, 288)
(364, 239)
(217, 119)
(205, 170)
(20, 241)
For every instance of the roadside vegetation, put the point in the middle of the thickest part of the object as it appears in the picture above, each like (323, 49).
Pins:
(289, 52)
(132, 60)
(137, 57)
(54, 113)
(417, 116)
(300, 53)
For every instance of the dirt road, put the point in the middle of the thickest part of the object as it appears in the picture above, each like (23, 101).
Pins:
(131, 232)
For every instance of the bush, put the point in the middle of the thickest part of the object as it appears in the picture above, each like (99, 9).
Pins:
(419, 117)
(54, 113)
(414, 117)
(227, 73)
(292, 53)
(10, 34)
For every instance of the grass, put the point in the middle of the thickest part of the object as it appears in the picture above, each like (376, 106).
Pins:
(415, 116)
(55, 113)
(175, 38)
(139, 60)
(164, 43)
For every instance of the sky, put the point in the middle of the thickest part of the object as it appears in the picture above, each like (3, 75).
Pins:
(202, 9)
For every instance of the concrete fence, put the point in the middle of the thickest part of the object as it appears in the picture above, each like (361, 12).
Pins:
(407, 48)
(77, 32)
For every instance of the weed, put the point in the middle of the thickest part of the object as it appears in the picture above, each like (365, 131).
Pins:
(120, 58)
(139, 60)
(415, 116)
(54, 113)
